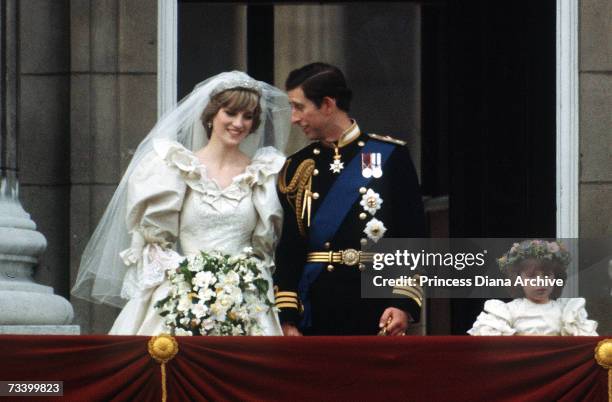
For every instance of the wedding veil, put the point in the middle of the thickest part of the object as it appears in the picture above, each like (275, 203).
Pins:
(101, 271)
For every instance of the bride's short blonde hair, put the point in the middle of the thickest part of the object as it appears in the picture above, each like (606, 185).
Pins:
(234, 100)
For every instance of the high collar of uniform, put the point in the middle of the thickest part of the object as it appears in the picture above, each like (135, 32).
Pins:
(349, 135)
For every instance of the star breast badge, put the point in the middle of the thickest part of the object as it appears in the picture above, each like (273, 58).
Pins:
(336, 166)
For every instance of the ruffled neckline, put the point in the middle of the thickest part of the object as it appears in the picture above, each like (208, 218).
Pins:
(267, 161)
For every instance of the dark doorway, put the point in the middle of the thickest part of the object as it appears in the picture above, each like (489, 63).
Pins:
(489, 93)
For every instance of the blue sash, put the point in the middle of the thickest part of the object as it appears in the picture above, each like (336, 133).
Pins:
(330, 215)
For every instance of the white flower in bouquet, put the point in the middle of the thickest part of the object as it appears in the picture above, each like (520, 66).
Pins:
(236, 331)
(236, 295)
(205, 294)
(248, 277)
(208, 324)
(204, 279)
(242, 313)
(199, 310)
(196, 264)
(218, 312)
(182, 332)
(231, 278)
(184, 303)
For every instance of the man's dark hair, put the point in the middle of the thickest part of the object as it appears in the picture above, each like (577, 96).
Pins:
(319, 80)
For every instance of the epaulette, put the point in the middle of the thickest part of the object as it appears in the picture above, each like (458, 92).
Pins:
(387, 138)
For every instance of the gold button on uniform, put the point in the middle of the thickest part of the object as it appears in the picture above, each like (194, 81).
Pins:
(363, 190)
(361, 143)
(362, 216)
(364, 242)
(362, 267)
(315, 172)
(327, 245)
(315, 196)
(316, 151)
(330, 268)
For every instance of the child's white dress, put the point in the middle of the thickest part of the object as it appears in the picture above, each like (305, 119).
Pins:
(566, 317)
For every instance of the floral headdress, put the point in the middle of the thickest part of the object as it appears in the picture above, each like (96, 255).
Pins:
(537, 249)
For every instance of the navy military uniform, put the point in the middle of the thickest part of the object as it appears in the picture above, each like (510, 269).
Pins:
(334, 298)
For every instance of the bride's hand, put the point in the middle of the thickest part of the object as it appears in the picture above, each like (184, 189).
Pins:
(290, 330)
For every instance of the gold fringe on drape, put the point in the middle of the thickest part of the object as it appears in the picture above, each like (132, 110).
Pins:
(603, 356)
(163, 348)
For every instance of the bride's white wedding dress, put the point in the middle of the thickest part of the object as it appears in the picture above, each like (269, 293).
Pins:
(172, 201)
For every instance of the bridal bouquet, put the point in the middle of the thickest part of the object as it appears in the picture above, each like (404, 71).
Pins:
(216, 294)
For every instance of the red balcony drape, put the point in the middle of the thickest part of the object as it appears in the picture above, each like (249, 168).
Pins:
(461, 368)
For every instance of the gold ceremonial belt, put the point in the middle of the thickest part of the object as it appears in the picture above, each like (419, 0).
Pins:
(349, 257)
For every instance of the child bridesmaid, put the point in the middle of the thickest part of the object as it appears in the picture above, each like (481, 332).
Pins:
(536, 309)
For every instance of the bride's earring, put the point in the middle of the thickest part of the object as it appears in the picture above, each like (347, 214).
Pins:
(209, 125)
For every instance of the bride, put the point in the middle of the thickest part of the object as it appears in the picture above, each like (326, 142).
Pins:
(202, 180)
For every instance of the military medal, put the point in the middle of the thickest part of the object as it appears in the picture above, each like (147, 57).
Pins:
(376, 163)
(337, 165)
(371, 165)
(366, 165)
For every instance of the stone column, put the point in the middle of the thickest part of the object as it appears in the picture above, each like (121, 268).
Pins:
(25, 306)
(319, 29)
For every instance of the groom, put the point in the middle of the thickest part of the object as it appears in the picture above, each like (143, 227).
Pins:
(318, 264)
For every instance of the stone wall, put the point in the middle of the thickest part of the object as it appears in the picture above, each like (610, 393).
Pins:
(596, 137)
(43, 130)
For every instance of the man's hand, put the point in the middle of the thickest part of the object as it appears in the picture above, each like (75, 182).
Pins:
(398, 321)
(290, 330)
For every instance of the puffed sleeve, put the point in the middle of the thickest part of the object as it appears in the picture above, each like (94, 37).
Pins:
(156, 191)
(574, 321)
(264, 168)
(496, 319)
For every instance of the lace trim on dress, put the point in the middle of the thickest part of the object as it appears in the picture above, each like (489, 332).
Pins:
(146, 268)
(266, 161)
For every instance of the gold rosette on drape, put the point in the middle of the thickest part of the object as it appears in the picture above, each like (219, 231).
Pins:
(603, 356)
(163, 348)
